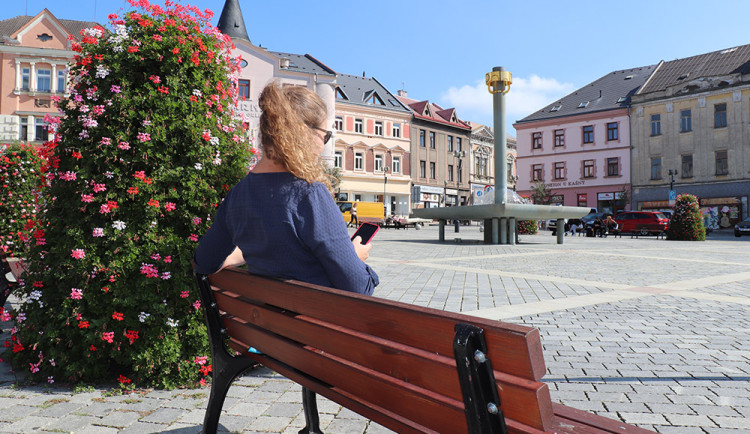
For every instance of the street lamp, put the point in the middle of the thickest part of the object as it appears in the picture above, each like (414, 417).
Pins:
(460, 155)
(672, 174)
(386, 169)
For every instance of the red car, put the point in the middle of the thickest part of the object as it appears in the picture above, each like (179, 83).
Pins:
(642, 222)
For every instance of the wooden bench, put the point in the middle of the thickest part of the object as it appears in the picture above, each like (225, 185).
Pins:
(409, 368)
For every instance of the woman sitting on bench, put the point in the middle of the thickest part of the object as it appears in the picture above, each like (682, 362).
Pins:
(281, 219)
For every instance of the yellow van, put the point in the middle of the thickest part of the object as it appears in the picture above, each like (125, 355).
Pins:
(370, 212)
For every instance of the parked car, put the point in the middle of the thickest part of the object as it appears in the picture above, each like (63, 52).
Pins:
(642, 222)
(742, 228)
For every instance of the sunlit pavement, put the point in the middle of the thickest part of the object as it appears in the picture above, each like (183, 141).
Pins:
(648, 331)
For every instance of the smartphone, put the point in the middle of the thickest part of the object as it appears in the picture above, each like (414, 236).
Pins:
(366, 231)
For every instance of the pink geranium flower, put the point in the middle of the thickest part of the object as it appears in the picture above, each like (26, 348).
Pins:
(169, 206)
(76, 294)
(78, 253)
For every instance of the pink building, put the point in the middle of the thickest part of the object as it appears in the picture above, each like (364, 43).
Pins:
(579, 146)
(34, 56)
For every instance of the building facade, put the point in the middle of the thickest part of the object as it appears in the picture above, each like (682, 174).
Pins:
(34, 56)
(482, 169)
(372, 145)
(260, 66)
(440, 155)
(579, 146)
(691, 134)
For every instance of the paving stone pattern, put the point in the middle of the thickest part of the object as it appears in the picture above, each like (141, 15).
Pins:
(650, 332)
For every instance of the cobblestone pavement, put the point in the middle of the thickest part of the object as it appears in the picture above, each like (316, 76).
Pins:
(651, 332)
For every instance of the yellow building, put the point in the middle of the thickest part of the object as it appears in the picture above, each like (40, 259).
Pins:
(690, 133)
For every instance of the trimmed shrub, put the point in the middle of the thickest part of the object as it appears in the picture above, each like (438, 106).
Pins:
(146, 149)
(686, 222)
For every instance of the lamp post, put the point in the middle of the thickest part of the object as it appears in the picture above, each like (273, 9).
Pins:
(671, 174)
(386, 169)
(445, 194)
(460, 155)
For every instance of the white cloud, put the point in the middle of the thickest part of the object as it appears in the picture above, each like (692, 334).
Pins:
(526, 96)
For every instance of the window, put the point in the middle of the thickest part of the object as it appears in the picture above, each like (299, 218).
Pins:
(536, 140)
(422, 169)
(559, 170)
(687, 166)
(61, 88)
(24, 130)
(720, 115)
(338, 159)
(536, 173)
(559, 138)
(378, 128)
(480, 165)
(421, 139)
(396, 165)
(244, 91)
(432, 170)
(656, 128)
(43, 80)
(458, 144)
(450, 143)
(612, 133)
(378, 163)
(588, 134)
(25, 78)
(339, 123)
(358, 161)
(613, 166)
(588, 168)
(396, 130)
(40, 128)
(722, 165)
(656, 168)
(432, 140)
(358, 125)
(686, 121)
(450, 172)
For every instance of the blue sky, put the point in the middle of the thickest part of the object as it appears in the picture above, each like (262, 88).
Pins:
(440, 50)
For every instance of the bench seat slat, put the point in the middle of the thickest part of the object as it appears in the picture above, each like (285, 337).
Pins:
(426, 408)
(519, 397)
(573, 420)
(415, 326)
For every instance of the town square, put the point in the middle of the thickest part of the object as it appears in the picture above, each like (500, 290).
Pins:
(209, 218)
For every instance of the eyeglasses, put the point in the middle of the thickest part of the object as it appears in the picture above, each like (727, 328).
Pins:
(327, 136)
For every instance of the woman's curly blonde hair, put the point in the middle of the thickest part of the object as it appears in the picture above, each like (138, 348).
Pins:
(289, 115)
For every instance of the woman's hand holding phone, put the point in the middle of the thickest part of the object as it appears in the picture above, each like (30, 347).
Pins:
(361, 239)
(363, 250)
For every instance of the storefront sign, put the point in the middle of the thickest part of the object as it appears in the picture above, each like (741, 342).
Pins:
(605, 196)
(430, 189)
(566, 184)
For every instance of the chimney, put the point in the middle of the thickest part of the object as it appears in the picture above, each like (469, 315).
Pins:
(284, 63)
(402, 93)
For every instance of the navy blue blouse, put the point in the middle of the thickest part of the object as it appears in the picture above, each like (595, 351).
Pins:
(286, 228)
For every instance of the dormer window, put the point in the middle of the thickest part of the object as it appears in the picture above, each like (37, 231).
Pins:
(340, 94)
(427, 110)
(622, 99)
(372, 97)
(556, 108)
(583, 104)
(44, 37)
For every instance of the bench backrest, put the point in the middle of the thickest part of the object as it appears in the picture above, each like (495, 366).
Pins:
(389, 361)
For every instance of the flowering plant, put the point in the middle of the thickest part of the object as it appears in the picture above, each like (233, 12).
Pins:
(686, 222)
(145, 150)
(526, 227)
(22, 178)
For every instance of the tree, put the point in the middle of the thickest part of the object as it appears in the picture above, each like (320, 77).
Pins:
(541, 193)
(686, 222)
(144, 153)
